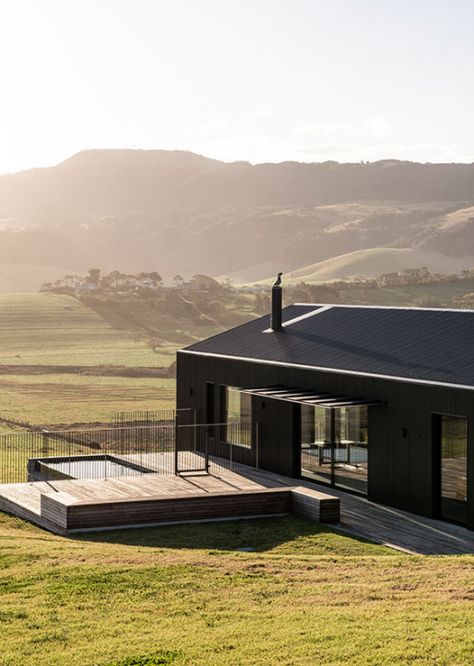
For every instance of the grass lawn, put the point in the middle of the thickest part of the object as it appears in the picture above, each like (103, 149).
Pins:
(440, 293)
(187, 595)
(62, 399)
(54, 329)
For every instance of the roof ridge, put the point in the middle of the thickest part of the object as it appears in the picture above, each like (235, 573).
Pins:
(384, 307)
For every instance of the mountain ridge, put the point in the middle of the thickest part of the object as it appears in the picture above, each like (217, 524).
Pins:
(180, 212)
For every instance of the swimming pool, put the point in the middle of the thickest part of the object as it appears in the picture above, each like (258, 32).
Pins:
(82, 467)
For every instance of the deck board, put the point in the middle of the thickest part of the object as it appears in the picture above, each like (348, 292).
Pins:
(359, 517)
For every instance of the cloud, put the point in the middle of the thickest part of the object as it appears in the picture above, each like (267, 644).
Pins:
(322, 128)
(260, 113)
(379, 126)
(214, 126)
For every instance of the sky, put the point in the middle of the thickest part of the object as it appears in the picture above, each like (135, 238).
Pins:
(255, 80)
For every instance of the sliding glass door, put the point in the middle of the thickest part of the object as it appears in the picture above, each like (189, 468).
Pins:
(315, 443)
(334, 446)
(351, 449)
(452, 441)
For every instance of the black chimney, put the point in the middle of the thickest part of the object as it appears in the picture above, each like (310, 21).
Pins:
(276, 304)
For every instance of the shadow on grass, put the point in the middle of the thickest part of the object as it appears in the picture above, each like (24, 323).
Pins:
(246, 535)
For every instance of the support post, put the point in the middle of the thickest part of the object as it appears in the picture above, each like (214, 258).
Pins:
(333, 443)
(176, 442)
(207, 451)
(256, 446)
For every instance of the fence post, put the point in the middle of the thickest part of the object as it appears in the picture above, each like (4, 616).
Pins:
(44, 444)
(176, 443)
(194, 429)
(333, 443)
(207, 450)
(256, 446)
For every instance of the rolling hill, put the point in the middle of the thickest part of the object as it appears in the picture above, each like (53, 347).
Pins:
(376, 261)
(177, 212)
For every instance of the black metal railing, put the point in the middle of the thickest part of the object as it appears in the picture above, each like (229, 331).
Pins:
(216, 445)
(41, 456)
(166, 448)
(130, 418)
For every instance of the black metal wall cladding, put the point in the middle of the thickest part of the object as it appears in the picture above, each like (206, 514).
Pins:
(402, 465)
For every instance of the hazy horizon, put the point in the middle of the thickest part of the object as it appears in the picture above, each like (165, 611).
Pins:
(229, 161)
(271, 81)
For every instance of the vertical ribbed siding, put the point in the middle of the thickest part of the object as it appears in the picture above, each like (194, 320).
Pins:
(401, 468)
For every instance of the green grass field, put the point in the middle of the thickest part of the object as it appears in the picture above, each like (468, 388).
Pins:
(187, 595)
(438, 293)
(54, 329)
(62, 399)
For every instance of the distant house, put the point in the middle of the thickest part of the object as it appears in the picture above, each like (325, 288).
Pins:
(374, 400)
(147, 283)
(85, 285)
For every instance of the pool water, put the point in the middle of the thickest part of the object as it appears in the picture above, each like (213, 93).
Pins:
(82, 467)
(93, 469)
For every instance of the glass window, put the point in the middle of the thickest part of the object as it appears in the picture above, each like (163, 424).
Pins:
(453, 459)
(351, 448)
(315, 443)
(339, 456)
(238, 417)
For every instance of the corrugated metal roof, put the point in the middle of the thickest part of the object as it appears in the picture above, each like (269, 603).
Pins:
(426, 345)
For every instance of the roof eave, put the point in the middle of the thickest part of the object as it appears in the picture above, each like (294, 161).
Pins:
(339, 371)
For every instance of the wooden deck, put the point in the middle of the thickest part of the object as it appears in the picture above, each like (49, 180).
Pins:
(358, 517)
(67, 506)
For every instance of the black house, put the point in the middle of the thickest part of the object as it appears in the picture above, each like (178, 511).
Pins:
(375, 400)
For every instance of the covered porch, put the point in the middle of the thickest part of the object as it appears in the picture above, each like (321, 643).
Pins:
(331, 434)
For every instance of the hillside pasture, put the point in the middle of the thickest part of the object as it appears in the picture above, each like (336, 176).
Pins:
(436, 294)
(55, 329)
(266, 591)
(72, 399)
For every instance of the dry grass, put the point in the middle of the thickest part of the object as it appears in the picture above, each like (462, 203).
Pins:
(54, 329)
(62, 399)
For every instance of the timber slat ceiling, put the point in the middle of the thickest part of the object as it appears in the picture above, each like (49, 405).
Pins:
(304, 397)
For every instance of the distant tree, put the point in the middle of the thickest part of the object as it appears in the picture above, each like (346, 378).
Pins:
(464, 301)
(94, 276)
(262, 302)
(205, 282)
(227, 284)
(155, 277)
(112, 280)
(178, 281)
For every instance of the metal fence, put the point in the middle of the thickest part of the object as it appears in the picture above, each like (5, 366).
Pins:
(94, 453)
(130, 418)
(211, 447)
(166, 448)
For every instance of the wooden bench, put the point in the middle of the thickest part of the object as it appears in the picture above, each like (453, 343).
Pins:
(315, 505)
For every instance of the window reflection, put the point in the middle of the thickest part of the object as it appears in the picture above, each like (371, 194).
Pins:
(334, 445)
(453, 435)
(238, 417)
